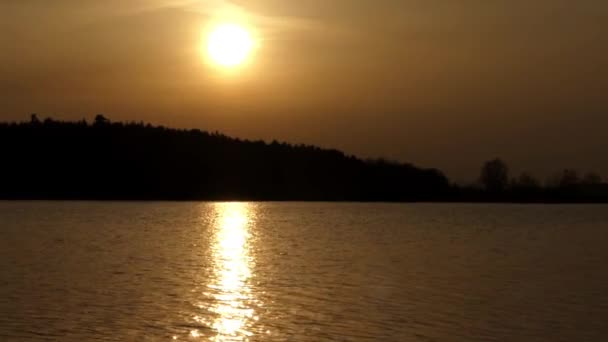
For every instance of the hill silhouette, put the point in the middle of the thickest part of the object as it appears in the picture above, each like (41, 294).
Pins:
(134, 161)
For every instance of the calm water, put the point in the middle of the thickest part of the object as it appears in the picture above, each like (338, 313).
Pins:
(302, 272)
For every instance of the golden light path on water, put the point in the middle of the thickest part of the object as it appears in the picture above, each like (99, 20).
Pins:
(229, 291)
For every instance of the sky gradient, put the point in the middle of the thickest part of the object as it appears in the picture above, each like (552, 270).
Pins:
(439, 83)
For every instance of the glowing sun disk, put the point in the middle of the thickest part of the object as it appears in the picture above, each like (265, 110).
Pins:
(229, 45)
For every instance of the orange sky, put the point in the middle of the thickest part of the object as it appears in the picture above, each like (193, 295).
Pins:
(443, 84)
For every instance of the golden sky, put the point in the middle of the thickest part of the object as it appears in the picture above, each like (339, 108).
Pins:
(440, 83)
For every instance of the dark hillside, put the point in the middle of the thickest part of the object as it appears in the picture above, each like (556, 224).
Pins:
(106, 160)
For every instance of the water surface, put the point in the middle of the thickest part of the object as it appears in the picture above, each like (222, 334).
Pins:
(74, 271)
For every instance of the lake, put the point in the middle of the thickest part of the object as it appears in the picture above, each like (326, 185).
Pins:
(113, 271)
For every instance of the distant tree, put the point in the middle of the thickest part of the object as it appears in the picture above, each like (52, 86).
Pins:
(526, 181)
(569, 179)
(592, 178)
(34, 119)
(101, 120)
(526, 188)
(495, 176)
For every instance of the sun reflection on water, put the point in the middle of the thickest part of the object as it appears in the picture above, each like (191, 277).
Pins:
(230, 291)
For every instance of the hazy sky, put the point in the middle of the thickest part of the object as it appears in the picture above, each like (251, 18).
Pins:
(440, 83)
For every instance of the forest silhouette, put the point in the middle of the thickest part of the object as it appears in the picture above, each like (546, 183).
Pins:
(106, 160)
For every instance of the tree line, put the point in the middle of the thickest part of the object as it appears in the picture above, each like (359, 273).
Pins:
(136, 161)
(50, 159)
(496, 184)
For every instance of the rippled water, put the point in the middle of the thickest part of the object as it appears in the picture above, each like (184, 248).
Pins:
(74, 271)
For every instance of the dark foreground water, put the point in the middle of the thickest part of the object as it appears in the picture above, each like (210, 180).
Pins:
(76, 271)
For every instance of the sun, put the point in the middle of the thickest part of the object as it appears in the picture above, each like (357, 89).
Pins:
(229, 45)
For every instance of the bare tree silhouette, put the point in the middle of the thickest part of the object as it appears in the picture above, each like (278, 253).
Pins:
(495, 176)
